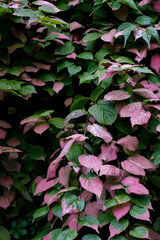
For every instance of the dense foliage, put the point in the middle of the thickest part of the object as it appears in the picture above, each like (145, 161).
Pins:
(79, 123)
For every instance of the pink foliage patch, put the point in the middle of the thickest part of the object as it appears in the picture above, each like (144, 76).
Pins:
(46, 3)
(129, 142)
(49, 199)
(3, 134)
(42, 66)
(137, 188)
(140, 117)
(6, 181)
(41, 127)
(156, 6)
(155, 60)
(108, 152)
(116, 95)
(109, 37)
(109, 170)
(100, 132)
(121, 210)
(68, 102)
(4, 124)
(58, 86)
(93, 185)
(73, 3)
(144, 92)
(132, 168)
(141, 161)
(90, 161)
(145, 216)
(75, 25)
(144, 2)
(45, 185)
(129, 109)
(64, 174)
(13, 142)
(6, 199)
(86, 196)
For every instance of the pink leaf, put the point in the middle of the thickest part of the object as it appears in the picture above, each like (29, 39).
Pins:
(116, 95)
(129, 109)
(50, 198)
(11, 165)
(72, 221)
(140, 55)
(68, 102)
(58, 86)
(144, 92)
(86, 196)
(100, 132)
(155, 60)
(64, 174)
(13, 142)
(75, 25)
(109, 37)
(9, 149)
(19, 34)
(47, 237)
(28, 126)
(50, 215)
(93, 209)
(109, 170)
(29, 119)
(38, 82)
(90, 161)
(73, 3)
(46, 3)
(129, 142)
(141, 161)
(92, 184)
(77, 137)
(45, 185)
(6, 199)
(156, 6)
(6, 181)
(120, 33)
(145, 216)
(153, 235)
(42, 66)
(144, 2)
(158, 128)
(140, 117)
(3, 134)
(132, 168)
(130, 181)
(149, 85)
(121, 210)
(41, 127)
(108, 152)
(137, 188)
(4, 124)
(72, 55)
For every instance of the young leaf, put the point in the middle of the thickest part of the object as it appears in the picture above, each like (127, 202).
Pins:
(129, 142)
(121, 210)
(140, 213)
(100, 132)
(117, 227)
(129, 109)
(132, 168)
(90, 161)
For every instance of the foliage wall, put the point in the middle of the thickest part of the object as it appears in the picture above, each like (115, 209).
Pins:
(79, 119)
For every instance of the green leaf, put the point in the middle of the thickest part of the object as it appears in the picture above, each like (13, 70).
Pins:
(51, 37)
(124, 127)
(14, 71)
(141, 200)
(73, 202)
(48, 9)
(86, 78)
(155, 180)
(74, 152)
(111, 203)
(157, 224)
(142, 69)
(101, 54)
(154, 33)
(57, 210)
(146, 35)
(106, 217)
(122, 197)
(104, 112)
(79, 103)
(91, 237)
(139, 232)
(15, 85)
(137, 211)
(119, 237)
(76, 114)
(129, 3)
(48, 77)
(85, 55)
(27, 90)
(63, 64)
(55, 234)
(88, 221)
(57, 122)
(4, 234)
(144, 20)
(154, 78)
(120, 225)
(41, 212)
(36, 152)
(65, 49)
(42, 234)
(51, 21)
(96, 93)
(27, 13)
(67, 235)
(4, 84)
(122, 59)
(43, 113)
(92, 37)
(73, 69)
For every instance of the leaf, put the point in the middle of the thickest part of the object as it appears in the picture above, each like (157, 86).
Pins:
(132, 168)
(76, 114)
(36, 153)
(140, 117)
(27, 90)
(71, 204)
(79, 103)
(140, 232)
(67, 235)
(66, 49)
(129, 109)
(64, 174)
(90, 161)
(129, 142)
(104, 112)
(117, 227)
(73, 69)
(144, 20)
(88, 221)
(45, 185)
(99, 131)
(120, 211)
(91, 237)
(109, 170)
(109, 37)
(4, 234)
(141, 161)
(142, 201)
(116, 95)
(101, 54)
(130, 3)
(108, 152)
(106, 217)
(122, 197)
(41, 127)
(48, 77)
(85, 55)
(144, 92)
(58, 86)
(111, 203)
(91, 184)
(42, 234)
(41, 212)
(146, 35)
(155, 62)
(91, 37)
(140, 213)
